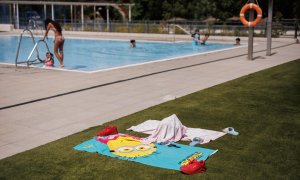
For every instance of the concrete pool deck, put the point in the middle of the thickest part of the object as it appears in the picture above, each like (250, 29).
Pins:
(38, 106)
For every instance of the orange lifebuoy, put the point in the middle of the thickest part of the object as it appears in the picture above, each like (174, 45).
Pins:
(246, 8)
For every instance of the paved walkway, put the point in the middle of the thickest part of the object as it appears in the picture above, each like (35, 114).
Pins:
(38, 106)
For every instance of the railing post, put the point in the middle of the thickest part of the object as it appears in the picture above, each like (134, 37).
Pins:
(17, 18)
(52, 11)
(296, 30)
(129, 13)
(82, 18)
(269, 27)
(94, 15)
(45, 11)
(107, 18)
(250, 36)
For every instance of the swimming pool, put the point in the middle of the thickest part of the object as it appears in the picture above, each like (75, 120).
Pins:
(89, 55)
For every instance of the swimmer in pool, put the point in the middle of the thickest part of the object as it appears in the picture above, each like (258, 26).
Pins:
(237, 41)
(58, 39)
(204, 39)
(196, 37)
(49, 61)
(132, 43)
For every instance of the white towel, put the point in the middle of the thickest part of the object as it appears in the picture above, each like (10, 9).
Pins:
(170, 129)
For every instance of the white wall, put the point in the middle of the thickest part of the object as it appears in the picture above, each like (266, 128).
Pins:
(6, 27)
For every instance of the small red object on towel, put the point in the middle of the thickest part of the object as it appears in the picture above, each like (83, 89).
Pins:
(108, 130)
(194, 167)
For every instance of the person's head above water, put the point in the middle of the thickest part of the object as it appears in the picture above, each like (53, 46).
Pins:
(132, 43)
(237, 41)
(49, 54)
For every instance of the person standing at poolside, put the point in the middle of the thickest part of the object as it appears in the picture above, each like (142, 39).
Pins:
(58, 39)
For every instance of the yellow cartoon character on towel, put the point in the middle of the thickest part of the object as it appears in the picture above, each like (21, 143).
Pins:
(130, 147)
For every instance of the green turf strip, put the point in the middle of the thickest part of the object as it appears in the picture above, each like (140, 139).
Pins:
(264, 107)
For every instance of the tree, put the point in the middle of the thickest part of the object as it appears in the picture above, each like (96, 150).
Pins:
(201, 9)
(147, 10)
(167, 10)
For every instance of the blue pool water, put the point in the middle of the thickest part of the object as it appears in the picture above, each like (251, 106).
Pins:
(92, 55)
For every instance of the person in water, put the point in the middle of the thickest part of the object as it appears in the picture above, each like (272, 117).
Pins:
(58, 39)
(237, 41)
(132, 43)
(204, 39)
(196, 36)
(49, 61)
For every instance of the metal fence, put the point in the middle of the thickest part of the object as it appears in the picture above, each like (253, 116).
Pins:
(285, 27)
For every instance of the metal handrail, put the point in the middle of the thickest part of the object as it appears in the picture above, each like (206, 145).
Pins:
(28, 61)
(35, 48)
(18, 50)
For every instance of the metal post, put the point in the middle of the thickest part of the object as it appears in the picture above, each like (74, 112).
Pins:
(52, 11)
(174, 29)
(10, 15)
(45, 11)
(269, 27)
(173, 14)
(250, 36)
(296, 31)
(17, 20)
(75, 17)
(14, 14)
(71, 11)
(129, 13)
(82, 18)
(94, 18)
(107, 18)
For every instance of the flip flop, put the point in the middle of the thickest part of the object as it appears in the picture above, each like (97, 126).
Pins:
(230, 130)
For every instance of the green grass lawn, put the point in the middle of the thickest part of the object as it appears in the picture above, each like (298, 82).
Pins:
(264, 107)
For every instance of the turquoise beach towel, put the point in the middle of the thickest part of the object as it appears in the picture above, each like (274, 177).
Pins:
(169, 157)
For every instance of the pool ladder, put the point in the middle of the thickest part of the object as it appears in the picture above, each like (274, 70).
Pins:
(29, 62)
